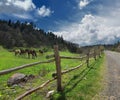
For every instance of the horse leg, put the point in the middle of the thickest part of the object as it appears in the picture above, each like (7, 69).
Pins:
(28, 55)
(15, 54)
(35, 54)
(32, 56)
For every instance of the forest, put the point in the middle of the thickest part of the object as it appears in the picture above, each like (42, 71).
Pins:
(18, 34)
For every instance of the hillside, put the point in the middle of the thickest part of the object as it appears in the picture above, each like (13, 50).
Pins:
(17, 34)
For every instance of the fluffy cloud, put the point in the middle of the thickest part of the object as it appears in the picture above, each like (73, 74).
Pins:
(43, 11)
(22, 9)
(100, 28)
(26, 5)
(90, 30)
(83, 3)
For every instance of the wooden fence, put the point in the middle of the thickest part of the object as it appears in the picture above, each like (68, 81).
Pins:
(57, 59)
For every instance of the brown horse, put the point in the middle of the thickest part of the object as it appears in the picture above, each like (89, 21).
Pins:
(23, 52)
(32, 53)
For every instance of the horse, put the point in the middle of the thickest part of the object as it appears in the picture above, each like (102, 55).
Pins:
(31, 52)
(17, 52)
(23, 52)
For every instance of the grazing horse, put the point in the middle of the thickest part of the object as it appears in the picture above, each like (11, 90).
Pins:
(17, 52)
(22, 52)
(31, 52)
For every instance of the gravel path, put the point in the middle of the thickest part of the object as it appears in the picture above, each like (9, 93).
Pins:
(112, 91)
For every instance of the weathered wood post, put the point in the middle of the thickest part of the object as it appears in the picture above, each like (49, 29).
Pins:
(99, 51)
(87, 59)
(94, 54)
(58, 68)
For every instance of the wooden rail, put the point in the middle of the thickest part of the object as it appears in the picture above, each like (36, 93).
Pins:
(69, 70)
(65, 57)
(3, 72)
(47, 82)
(34, 89)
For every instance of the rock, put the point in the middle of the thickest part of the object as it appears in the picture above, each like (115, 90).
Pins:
(30, 77)
(50, 93)
(112, 98)
(16, 79)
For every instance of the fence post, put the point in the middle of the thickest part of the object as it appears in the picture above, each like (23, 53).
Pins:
(99, 51)
(99, 54)
(94, 54)
(87, 59)
(58, 68)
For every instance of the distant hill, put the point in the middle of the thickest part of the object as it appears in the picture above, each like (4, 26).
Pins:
(17, 34)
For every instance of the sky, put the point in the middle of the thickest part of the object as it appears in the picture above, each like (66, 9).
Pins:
(85, 22)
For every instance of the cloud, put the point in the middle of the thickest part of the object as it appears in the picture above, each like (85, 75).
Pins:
(24, 9)
(90, 30)
(26, 5)
(94, 28)
(83, 3)
(23, 4)
(23, 16)
(43, 11)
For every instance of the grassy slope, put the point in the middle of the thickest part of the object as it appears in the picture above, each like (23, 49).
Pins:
(76, 85)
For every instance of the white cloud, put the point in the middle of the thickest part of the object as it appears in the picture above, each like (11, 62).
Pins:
(24, 9)
(83, 3)
(23, 16)
(22, 4)
(43, 11)
(104, 27)
(90, 30)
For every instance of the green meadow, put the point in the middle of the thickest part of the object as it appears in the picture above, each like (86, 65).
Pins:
(80, 84)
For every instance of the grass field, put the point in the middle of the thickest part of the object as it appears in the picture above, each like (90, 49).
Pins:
(81, 84)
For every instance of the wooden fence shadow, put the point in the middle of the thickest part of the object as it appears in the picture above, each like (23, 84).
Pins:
(80, 77)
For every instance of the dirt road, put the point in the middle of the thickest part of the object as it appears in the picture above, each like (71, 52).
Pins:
(112, 90)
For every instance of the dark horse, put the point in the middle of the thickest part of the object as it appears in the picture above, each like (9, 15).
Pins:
(23, 52)
(32, 53)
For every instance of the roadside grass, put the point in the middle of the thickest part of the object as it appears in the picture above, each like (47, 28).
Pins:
(81, 84)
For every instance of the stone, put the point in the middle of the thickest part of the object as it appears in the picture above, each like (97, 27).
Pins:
(50, 93)
(16, 79)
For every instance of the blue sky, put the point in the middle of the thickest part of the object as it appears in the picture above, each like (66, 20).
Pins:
(84, 22)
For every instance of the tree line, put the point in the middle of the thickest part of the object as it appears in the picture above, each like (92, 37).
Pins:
(18, 34)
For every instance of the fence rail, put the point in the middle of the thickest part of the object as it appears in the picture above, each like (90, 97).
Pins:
(57, 75)
(69, 70)
(65, 57)
(3, 72)
(34, 89)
